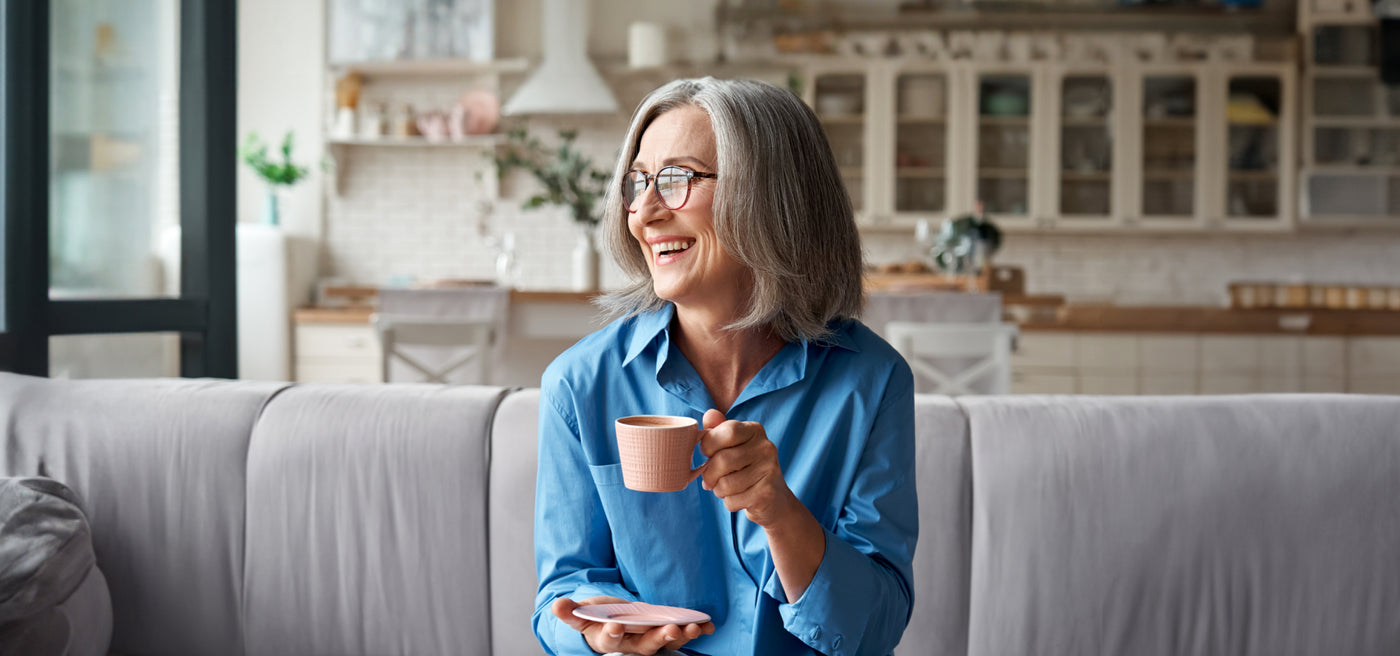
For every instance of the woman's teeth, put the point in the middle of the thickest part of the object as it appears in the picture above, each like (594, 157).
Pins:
(669, 247)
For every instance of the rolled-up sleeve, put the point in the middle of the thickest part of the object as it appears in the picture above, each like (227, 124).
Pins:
(860, 599)
(573, 545)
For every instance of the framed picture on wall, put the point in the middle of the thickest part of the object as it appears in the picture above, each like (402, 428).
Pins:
(387, 30)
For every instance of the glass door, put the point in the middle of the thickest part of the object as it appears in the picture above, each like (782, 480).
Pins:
(1086, 145)
(839, 100)
(1257, 151)
(921, 145)
(126, 136)
(1351, 132)
(1004, 137)
(1170, 161)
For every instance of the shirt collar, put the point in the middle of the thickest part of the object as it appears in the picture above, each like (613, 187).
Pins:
(647, 327)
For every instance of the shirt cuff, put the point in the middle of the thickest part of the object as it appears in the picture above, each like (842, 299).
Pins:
(835, 604)
(567, 639)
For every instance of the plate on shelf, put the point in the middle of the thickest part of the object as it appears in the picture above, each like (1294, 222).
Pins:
(640, 617)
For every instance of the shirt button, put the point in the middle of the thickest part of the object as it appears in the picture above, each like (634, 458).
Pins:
(816, 634)
(837, 643)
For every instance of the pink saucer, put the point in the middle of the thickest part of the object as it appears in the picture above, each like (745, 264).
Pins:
(638, 617)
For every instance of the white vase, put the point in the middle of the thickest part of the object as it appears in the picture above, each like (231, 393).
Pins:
(585, 258)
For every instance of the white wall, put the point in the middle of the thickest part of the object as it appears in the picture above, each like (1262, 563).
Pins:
(281, 87)
(413, 213)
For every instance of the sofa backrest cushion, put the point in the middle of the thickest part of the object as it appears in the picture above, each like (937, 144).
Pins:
(160, 467)
(366, 508)
(1245, 525)
(938, 626)
(514, 458)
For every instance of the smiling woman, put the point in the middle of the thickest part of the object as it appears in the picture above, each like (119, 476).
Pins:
(728, 213)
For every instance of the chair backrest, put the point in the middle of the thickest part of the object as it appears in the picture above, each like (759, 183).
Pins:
(963, 358)
(469, 342)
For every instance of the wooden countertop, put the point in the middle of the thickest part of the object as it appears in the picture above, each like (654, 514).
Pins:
(1051, 317)
(1285, 321)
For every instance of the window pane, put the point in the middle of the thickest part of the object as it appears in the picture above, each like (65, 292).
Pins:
(129, 355)
(114, 174)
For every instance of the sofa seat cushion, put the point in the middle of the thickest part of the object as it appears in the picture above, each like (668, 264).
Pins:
(1245, 525)
(53, 599)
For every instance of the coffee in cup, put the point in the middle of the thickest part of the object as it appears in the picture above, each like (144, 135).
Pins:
(655, 451)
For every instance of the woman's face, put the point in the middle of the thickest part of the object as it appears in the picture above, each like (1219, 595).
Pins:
(688, 265)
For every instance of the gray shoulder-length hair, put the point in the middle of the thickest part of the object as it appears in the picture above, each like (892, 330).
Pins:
(780, 208)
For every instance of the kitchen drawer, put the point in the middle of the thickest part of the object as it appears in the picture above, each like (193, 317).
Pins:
(1229, 383)
(1280, 383)
(336, 341)
(1280, 356)
(1106, 384)
(1375, 384)
(1324, 384)
(1372, 357)
(1166, 384)
(1325, 356)
(1173, 354)
(1044, 350)
(1038, 383)
(1229, 354)
(337, 371)
(1107, 352)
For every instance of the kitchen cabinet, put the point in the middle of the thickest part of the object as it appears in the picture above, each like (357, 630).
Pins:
(1350, 121)
(1099, 362)
(1052, 145)
(336, 352)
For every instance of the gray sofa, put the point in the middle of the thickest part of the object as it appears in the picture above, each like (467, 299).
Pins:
(257, 518)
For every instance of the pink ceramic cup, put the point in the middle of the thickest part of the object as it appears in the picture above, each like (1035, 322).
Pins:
(655, 451)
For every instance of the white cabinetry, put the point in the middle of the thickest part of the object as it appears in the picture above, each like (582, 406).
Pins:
(1067, 146)
(337, 353)
(1168, 364)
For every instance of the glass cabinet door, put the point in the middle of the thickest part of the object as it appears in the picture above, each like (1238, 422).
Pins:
(1086, 146)
(1169, 157)
(1352, 154)
(1004, 138)
(839, 101)
(1253, 142)
(921, 142)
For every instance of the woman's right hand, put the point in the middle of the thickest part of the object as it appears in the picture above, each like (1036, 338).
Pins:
(606, 637)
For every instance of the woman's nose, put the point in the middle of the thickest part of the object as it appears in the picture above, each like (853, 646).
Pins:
(648, 207)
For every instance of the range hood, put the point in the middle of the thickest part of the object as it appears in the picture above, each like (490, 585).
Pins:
(565, 82)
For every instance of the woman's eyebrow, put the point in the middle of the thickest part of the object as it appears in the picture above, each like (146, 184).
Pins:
(638, 166)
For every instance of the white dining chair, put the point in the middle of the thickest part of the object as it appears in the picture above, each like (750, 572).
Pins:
(470, 342)
(956, 358)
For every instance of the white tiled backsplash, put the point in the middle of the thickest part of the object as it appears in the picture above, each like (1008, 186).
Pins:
(414, 212)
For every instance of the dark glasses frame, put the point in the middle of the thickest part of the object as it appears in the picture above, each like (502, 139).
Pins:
(690, 176)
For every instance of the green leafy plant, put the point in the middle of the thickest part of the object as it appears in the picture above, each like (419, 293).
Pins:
(566, 174)
(253, 152)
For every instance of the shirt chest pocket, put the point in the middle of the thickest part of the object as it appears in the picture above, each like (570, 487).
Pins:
(667, 543)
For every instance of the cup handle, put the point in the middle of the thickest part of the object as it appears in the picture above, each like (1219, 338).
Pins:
(695, 473)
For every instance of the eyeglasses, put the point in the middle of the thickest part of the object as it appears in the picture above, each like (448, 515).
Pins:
(672, 184)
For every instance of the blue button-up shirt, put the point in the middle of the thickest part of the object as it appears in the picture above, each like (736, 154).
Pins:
(841, 414)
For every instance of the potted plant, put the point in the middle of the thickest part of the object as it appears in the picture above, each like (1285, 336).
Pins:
(277, 175)
(567, 178)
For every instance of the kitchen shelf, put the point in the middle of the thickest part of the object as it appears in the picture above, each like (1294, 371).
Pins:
(476, 141)
(1266, 176)
(919, 172)
(1169, 122)
(1353, 122)
(1342, 71)
(1004, 173)
(1352, 169)
(433, 67)
(1081, 121)
(842, 119)
(1011, 121)
(922, 120)
(1168, 174)
(1083, 176)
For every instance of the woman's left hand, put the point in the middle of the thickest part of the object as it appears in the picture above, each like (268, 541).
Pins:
(743, 469)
